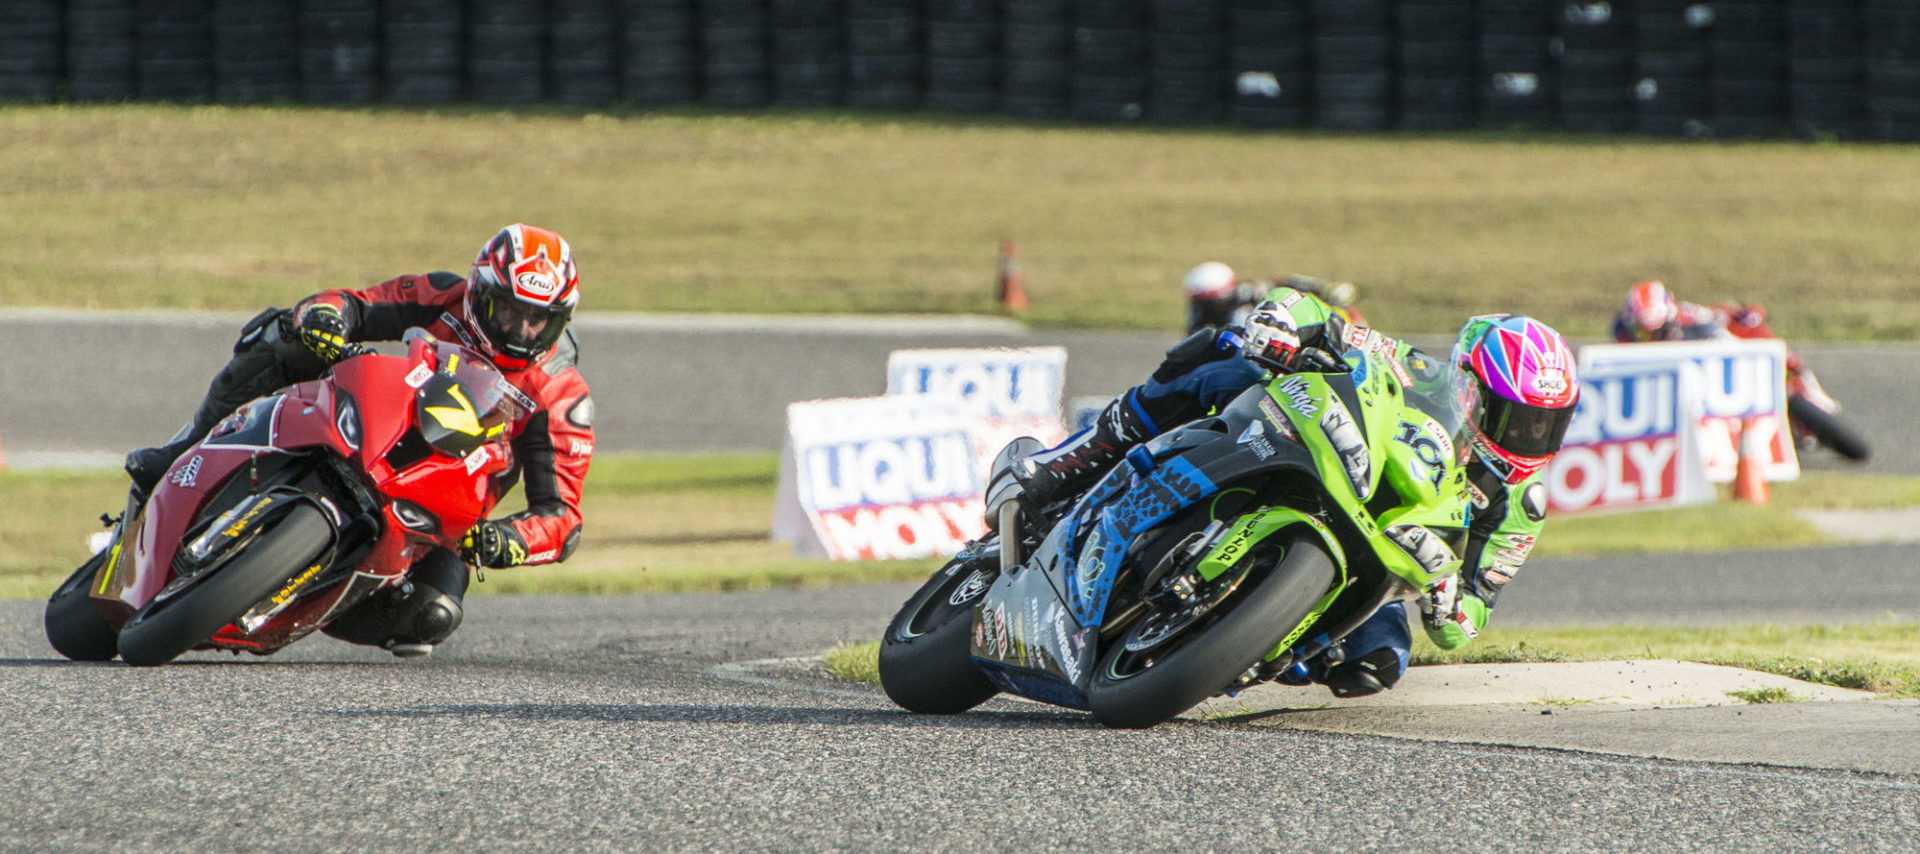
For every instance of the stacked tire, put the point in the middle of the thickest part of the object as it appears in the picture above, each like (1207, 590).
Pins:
(1267, 57)
(1749, 68)
(883, 54)
(809, 54)
(962, 73)
(1353, 48)
(1035, 39)
(1439, 81)
(1673, 68)
(657, 47)
(1893, 70)
(1825, 71)
(339, 51)
(506, 52)
(99, 49)
(1518, 86)
(1189, 84)
(256, 49)
(582, 66)
(733, 53)
(424, 51)
(30, 48)
(173, 50)
(1110, 79)
(1596, 67)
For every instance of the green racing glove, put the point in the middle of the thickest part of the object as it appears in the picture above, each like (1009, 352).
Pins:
(1452, 618)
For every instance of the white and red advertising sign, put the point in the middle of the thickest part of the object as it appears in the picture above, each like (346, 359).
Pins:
(1631, 444)
(878, 478)
(1013, 392)
(1741, 385)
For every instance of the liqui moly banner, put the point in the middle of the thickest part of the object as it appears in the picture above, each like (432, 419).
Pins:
(1631, 444)
(1740, 385)
(1012, 392)
(878, 477)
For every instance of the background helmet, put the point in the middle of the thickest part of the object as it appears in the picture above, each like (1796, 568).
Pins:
(1515, 380)
(521, 293)
(1211, 295)
(1649, 308)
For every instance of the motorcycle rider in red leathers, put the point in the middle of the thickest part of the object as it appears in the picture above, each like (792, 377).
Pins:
(514, 307)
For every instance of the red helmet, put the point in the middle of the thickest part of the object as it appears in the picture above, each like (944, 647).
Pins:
(521, 293)
(1649, 308)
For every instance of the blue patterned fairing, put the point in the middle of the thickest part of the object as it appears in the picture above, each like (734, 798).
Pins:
(1032, 685)
(1140, 504)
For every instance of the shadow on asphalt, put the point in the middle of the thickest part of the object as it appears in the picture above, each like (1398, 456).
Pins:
(687, 713)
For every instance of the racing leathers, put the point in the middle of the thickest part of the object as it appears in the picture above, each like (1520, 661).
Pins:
(552, 443)
(1206, 371)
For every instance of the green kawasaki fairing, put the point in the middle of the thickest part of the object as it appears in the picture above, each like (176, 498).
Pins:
(1398, 498)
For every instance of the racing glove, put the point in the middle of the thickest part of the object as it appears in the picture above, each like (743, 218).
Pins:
(1272, 337)
(493, 544)
(324, 331)
(1452, 618)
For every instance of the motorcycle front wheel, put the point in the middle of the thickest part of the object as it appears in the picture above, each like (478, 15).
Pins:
(1827, 429)
(74, 626)
(165, 628)
(926, 659)
(1147, 677)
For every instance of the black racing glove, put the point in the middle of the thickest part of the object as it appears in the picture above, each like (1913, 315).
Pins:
(493, 544)
(324, 332)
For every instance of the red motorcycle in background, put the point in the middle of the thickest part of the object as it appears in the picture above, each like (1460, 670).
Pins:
(1813, 414)
(295, 508)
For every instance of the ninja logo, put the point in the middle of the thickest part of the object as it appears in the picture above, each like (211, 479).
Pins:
(1295, 389)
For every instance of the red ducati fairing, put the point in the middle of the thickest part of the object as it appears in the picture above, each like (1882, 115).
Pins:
(296, 507)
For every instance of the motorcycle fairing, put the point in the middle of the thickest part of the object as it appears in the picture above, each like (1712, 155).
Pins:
(1025, 641)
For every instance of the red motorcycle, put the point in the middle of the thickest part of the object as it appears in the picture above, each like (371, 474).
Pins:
(1813, 414)
(295, 508)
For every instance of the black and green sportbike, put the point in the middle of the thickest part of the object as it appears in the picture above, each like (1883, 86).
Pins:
(1216, 556)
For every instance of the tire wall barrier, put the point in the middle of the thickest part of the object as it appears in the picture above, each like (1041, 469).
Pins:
(1847, 69)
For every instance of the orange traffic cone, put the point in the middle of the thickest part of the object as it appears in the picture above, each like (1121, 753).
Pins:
(1749, 482)
(1011, 292)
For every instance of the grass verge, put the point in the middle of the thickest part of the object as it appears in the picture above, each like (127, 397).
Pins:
(659, 523)
(1882, 658)
(811, 212)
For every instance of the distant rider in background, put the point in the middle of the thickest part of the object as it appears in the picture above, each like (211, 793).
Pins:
(1512, 375)
(1216, 297)
(513, 307)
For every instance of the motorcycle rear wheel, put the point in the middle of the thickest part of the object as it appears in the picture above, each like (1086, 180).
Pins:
(1137, 689)
(926, 657)
(1827, 429)
(164, 629)
(74, 625)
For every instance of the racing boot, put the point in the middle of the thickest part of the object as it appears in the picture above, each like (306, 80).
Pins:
(1075, 464)
(1369, 674)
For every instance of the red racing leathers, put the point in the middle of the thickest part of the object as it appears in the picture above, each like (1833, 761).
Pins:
(552, 447)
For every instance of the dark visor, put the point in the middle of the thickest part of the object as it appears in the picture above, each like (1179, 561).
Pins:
(1518, 428)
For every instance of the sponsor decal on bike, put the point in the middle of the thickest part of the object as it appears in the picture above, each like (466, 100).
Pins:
(1295, 388)
(1430, 445)
(993, 622)
(1255, 438)
(1069, 663)
(419, 375)
(1277, 418)
(281, 597)
(478, 458)
(185, 476)
(240, 524)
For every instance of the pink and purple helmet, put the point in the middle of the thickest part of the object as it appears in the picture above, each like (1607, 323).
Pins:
(1517, 385)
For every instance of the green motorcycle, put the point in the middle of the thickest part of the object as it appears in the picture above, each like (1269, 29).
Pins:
(1215, 557)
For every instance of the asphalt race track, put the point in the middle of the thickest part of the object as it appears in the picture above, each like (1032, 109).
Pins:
(671, 723)
(642, 723)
